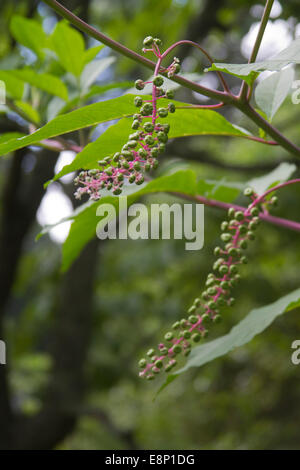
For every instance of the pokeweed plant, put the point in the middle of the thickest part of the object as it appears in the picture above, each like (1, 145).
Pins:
(151, 126)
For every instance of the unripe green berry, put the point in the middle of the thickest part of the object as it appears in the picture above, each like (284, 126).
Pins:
(139, 84)
(162, 137)
(196, 337)
(176, 349)
(224, 285)
(157, 41)
(274, 201)
(193, 319)
(250, 235)
(150, 352)
(146, 109)
(161, 147)
(226, 237)
(162, 112)
(231, 213)
(159, 363)
(132, 144)
(192, 309)
(244, 259)
(143, 153)
(148, 41)
(233, 269)
(138, 101)
(248, 192)
(243, 244)
(148, 127)
(158, 81)
(186, 334)
(211, 304)
(169, 336)
(116, 157)
(135, 124)
(239, 215)
(166, 128)
(140, 181)
(205, 319)
(223, 269)
(142, 363)
(154, 152)
(224, 226)
(212, 291)
(149, 140)
(254, 211)
(217, 251)
(171, 107)
(170, 94)
(243, 229)
(176, 325)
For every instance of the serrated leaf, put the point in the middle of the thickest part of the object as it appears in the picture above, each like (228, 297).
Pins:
(271, 92)
(289, 55)
(280, 174)
(29, 33)
(68, 45)
(253, 324)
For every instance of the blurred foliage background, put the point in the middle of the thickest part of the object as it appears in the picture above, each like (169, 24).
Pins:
(73, 340)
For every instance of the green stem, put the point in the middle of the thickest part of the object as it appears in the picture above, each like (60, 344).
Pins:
(263, 24)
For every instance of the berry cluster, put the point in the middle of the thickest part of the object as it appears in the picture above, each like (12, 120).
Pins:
(140, 153)
(237, 231)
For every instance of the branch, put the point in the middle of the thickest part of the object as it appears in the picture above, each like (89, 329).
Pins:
(116, 46)
(257, 44)
(290, 224)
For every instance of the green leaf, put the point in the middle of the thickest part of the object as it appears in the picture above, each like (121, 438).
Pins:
(253, 324)
(271, 92)
(60, 107)
(30, 33)
(27, 109)
(91, 53)
(290, 55)
(68, 45)
(85, 221)
(185, 122)
(14, 87)
(92, 71)
(84, 117)
(279, 175)
(219, 190)
(7, 136)
(44, 81)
